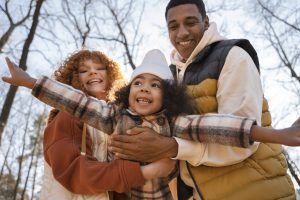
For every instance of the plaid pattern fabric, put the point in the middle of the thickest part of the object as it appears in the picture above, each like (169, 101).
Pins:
(155, 188)
(214, 128)
(208, 128)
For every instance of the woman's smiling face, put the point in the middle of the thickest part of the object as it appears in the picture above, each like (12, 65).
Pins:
(93, 77)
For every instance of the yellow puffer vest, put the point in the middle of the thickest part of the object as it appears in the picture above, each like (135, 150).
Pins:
(263, 176)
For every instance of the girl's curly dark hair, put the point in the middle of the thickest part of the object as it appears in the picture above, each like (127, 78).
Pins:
(175, 99)
(67, 73)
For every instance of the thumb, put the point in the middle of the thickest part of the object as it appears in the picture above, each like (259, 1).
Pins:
(10, 64)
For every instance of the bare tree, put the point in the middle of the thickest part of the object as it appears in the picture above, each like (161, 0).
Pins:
(22, 157)
(278, 27)
(121, 22)
(288, 53)
(12, 23)
(7, 154)
(85, 20)
(38, 156)
(22, 64)
(81, 20)
(35, 141)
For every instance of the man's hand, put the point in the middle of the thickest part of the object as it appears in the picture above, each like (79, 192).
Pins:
(18, 76)
(143, 144)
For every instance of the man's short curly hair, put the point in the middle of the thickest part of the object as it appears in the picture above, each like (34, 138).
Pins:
(199, 3)
(175, 99)
(67, 73)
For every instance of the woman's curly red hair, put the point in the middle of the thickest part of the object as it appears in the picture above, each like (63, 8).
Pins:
(67, 73)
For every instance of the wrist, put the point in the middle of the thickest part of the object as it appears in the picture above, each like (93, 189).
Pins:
(265, 135)
(148, 172)
(172, 150)
(30, 83)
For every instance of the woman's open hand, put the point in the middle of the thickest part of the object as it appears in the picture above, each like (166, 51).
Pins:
(18, 77)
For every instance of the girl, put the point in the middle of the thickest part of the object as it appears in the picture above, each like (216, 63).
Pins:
(145, 103)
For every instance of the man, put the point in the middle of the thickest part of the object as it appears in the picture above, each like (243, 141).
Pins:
(222, 76)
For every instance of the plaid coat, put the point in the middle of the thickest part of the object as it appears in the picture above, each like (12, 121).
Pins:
(108, 117)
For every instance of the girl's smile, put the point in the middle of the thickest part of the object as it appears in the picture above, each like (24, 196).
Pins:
(146, 95)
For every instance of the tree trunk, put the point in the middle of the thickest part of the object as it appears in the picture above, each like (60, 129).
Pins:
(38, 126)
(5, 37)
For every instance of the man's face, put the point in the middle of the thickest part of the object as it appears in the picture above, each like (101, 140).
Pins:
(186, 28)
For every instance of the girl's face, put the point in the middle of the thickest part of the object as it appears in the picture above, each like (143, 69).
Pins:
(93, 77)
(146, 95)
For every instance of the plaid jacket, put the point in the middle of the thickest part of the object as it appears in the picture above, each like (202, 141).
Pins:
(209, 128)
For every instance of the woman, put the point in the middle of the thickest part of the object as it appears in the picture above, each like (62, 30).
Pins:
(67, 169)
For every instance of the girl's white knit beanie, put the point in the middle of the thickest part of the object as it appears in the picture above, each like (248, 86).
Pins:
(154, 63)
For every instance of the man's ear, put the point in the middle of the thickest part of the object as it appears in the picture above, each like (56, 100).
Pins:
(206, 22)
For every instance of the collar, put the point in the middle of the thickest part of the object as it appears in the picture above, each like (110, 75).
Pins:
(159, 116)
(210, 36)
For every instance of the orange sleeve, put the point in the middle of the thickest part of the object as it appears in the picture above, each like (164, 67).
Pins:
(84, 174)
